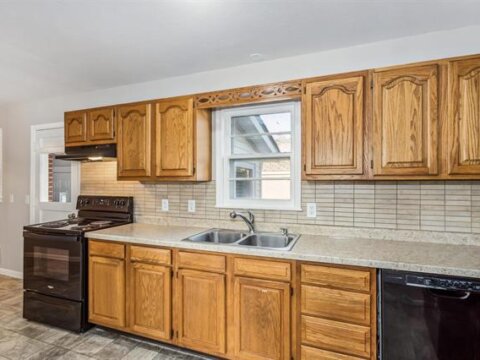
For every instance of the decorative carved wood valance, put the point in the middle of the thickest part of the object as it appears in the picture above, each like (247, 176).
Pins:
(250, 94)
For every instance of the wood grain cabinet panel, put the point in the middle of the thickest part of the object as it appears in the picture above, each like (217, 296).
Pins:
(336, 336)
(406, 121)
(336, 304)
(101, 125)
(464, 117)
(150, 255)
(201, 311)
(150, 296)
(75, 128)
(106, 291)
(200, 261)
(263, 269)
(174, 138)
(134, 141)
(331, 276)
(334, 127)
(310, 353)
(261, 319)
(106, 249)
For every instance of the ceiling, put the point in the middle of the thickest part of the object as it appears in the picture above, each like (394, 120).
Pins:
(51, 47)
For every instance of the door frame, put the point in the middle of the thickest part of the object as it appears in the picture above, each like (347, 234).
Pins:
(34, 130)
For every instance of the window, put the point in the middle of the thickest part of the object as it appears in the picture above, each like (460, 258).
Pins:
(258, 156)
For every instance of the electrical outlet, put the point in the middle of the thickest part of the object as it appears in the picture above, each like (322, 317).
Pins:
(311, 210)
(12, 198)
(191, 205)
(164, 204)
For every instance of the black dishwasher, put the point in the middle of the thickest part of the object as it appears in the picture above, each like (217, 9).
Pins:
(428, 317)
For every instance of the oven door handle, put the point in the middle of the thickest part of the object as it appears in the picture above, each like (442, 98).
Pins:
(49, 237)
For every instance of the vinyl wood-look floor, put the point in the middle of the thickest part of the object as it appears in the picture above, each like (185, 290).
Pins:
(22, 339)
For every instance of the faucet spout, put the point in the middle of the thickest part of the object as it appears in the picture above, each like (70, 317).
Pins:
(250, 221)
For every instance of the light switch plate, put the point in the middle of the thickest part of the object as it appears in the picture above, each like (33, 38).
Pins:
(27, 199)
(12, 198)
(191, 205)
(311, 210)
(164, 204)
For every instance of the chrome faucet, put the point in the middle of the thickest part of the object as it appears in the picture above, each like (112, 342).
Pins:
(250, 221)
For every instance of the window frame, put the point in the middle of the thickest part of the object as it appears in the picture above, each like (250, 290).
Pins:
(222, 153)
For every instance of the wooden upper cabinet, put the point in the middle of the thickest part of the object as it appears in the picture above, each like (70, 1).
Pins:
(334, 127)
(406, 121)
(75, 128)
(174, 138)
(261, 319)
(464, 117)
(134, 141)
(150, 300)
(201, 311)
(106, 291)
(101, 125)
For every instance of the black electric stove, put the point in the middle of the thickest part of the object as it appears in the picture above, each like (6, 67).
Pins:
(55, 261)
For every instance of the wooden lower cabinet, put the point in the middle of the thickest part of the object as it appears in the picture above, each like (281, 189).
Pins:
(149, 289)
(106, 291)
(234, 307)
(337, 317)
(262, 319)
(201, 311)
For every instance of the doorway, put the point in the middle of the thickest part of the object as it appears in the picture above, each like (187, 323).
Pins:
(55, 184)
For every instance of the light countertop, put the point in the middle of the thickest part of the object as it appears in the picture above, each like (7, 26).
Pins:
(459, 260)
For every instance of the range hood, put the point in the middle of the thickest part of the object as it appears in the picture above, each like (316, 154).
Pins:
(89, 153)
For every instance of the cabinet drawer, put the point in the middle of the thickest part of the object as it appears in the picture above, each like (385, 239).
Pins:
(106, 249)
(263, 269)
(336, 304)
(336, 336)
(309, 353)
(150, 255)
(207, 262)
(342, 278)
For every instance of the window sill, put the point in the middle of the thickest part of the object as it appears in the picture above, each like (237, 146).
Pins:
(258, 207)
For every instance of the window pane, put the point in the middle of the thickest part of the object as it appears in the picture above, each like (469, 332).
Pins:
(259, 124)
(270, 189)
(56, 179)
(262, 144)
(260, 168)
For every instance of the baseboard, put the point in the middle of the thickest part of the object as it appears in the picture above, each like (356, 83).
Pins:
(11, 273)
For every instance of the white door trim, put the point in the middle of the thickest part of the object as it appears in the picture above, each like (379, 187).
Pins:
(34, 129)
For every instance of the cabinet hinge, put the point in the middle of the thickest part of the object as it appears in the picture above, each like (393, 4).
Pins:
(371, 84)
(304, 167)
(292, 291)
(176, 334)
(172, 333)
(194, 169)
(371, 164)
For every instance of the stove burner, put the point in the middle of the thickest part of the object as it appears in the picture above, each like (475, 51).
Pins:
(55, 225)
(100, 223)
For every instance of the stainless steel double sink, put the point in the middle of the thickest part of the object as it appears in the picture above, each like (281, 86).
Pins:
(264, 240)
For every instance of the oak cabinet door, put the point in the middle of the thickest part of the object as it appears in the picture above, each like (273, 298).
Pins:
(150, 296)
(106, 291)
(464, 116)
(134, 140)
(101, 125)
(201, 311)
(261, 319)
(334, 127)
(75, 128)
(406, 121)
(174, 138)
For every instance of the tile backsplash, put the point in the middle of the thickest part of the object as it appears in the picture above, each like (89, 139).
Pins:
(438, 206)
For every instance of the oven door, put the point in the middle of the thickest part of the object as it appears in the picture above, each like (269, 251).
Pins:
(54, 265)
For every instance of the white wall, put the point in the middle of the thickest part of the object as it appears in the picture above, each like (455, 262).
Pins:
(18, 119)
